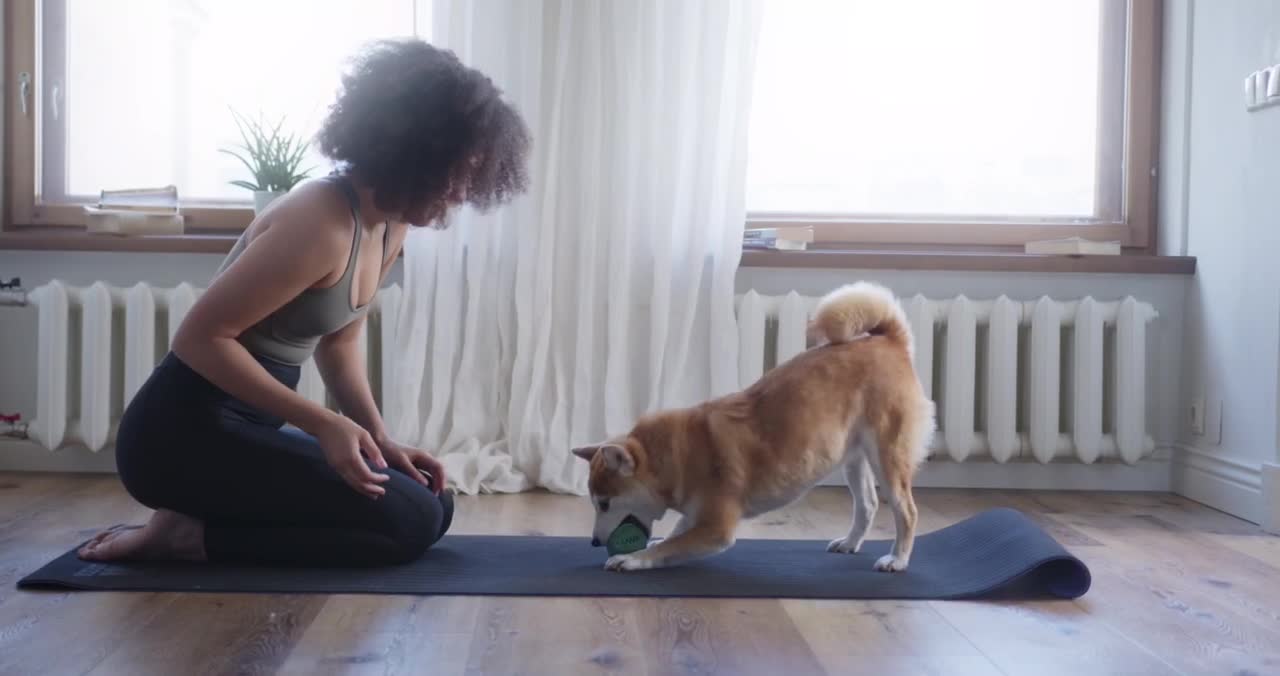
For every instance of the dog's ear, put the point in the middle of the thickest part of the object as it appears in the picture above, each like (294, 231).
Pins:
(586, 452)
(618, 459)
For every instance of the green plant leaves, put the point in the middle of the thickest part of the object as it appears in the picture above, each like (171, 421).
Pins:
(272, 157)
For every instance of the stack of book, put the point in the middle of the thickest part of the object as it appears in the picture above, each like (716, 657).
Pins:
(143, 211)
(787, 238)
(1073, 246)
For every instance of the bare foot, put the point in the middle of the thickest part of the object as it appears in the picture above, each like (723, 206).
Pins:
(168, 536)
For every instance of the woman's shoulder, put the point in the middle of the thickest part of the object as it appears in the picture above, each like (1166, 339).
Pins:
(314, 213)
(320, 200)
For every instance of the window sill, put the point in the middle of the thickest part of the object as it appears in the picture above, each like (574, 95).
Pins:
(60, 239)
(969, 261)
(73, 239)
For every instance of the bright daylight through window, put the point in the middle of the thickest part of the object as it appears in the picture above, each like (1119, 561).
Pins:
(927, 110)
(149, 86)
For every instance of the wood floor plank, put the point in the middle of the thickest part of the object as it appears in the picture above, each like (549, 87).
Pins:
(71, 633)
(215, 634)
(23, 494)
(368, 634)
(1165, 601)
(1196, 561)
(556, 636)
(1048, 638)
(723, 636)
(1186, 513)
(1262, 546)
(888, 637)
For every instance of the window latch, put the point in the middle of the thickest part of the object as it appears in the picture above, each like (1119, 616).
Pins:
(24, 93)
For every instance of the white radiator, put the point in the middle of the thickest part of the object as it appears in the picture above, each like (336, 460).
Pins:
(1039, 380)
(98, 344)
(1043, 380)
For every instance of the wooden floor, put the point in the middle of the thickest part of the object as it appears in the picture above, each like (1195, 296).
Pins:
(1178, 588)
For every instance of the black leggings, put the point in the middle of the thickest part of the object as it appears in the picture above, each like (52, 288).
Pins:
(264, 491)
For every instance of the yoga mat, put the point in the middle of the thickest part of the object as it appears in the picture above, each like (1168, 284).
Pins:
(996, 554)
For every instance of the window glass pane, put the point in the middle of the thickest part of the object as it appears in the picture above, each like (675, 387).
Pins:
(150, 83)
(926, 108)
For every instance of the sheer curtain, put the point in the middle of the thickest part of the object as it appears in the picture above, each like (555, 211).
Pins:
(607, 291)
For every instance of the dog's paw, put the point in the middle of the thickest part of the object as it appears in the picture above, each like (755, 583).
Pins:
(844, 546)
(891, 564)
(623, 562)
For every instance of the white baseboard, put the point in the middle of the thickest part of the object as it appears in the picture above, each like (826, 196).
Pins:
(27, 456)
(1271, 498)
(1148, 475)
(1151, 474)
(1222, 482)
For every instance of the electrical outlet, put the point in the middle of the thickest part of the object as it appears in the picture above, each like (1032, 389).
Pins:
(1195, 416)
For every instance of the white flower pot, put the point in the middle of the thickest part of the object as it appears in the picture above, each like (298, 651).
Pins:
(261, 198)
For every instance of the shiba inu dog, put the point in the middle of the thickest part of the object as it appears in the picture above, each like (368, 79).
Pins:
(853, 400)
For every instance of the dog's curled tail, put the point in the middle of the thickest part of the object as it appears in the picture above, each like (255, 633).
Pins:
(857, 309)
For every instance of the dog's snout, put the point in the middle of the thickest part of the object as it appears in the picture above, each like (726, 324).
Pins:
(595, 542)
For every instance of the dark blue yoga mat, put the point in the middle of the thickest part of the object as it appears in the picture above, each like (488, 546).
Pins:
(996, 554)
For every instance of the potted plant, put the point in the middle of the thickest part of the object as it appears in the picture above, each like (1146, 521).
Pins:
(271, 156)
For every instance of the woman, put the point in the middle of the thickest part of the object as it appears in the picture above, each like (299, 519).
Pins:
(414, 133)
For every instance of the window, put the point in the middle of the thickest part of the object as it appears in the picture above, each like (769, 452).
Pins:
(955, 122)
(141, 93)
(911, 122)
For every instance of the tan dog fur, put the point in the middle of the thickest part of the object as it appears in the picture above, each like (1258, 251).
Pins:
(853, 401)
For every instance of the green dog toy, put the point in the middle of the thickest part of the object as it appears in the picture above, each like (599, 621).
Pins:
(628, 537)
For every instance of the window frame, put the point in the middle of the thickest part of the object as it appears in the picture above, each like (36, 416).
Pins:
(1128, 144)
(1136, 133)
(24, 163)
(24, 208)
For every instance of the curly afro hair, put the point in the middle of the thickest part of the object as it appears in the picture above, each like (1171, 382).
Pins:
(416, 125)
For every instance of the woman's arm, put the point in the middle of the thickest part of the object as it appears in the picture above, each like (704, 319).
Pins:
(343, 369)
(342, 366)
(304, 245)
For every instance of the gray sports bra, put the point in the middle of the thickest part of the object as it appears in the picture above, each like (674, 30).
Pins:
(290, 334)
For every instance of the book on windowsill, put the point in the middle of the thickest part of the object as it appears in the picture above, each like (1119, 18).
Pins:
(136, 212)
(1073, 246)
(780, 239)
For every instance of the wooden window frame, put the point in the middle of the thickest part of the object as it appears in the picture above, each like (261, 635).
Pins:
(1133, 221)
(1128, 145)
(24, 208)
(23, 159)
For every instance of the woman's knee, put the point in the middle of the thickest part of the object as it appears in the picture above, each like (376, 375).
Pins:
(446, 506)
(417, 519)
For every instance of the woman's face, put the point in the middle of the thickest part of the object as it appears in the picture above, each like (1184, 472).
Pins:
(433, 213)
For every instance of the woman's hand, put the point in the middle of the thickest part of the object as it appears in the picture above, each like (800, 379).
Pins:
(346, 445)
(414, 462)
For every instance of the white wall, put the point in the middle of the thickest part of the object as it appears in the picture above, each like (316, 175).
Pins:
(1175, 89)
(1232, 221)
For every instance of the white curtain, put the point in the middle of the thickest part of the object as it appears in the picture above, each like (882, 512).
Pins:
(607, 291)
